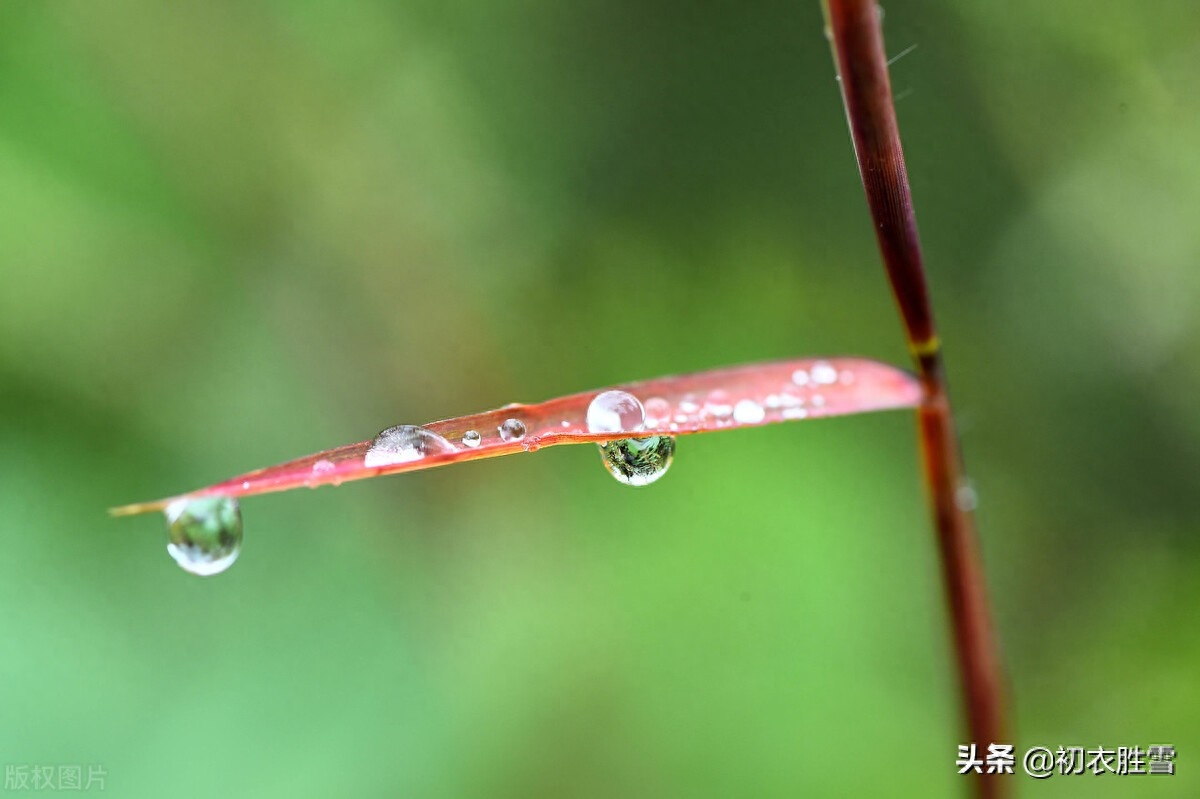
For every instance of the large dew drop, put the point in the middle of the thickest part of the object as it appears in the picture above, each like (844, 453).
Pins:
(638, 461)
(404, 443)
(633, 461)
(205, 534)
(615, 412)
(512, 430)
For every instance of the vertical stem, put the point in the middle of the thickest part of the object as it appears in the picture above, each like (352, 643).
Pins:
(854, 29)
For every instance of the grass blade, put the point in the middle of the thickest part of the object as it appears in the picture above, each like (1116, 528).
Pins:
(701, 402)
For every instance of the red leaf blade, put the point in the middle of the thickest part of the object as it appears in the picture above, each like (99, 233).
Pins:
(701, 402)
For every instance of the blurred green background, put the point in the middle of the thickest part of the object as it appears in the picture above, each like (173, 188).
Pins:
(235, 233)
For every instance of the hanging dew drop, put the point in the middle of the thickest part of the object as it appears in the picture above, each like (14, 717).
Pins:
(638, 461)
(404, 443)
(205, 534)
(512, 430)
(633, 461)
(615, 412)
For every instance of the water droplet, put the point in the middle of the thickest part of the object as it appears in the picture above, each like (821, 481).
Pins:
(615, 412)
(966, 497)
(404, 443)
(790, 400)
(472, 439)
(658, 411)
(205, 534)
(512, 430)
(319, 470)
(748, 412)
(718, 405)
(800, 377)
(824, 373)
(638, 461)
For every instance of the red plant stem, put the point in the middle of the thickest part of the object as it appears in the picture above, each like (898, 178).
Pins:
(857, 38)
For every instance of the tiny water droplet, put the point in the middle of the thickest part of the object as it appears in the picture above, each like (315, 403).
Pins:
(320, 469)
(719, 411)
(718, 404)
(790, 400)
(615, 412)
(824, 373)
(404, 443)
(966, 496)
(638, 461)
(748, 412)
(471, 439)
(658, 411)
(205, 534)
(512, 430)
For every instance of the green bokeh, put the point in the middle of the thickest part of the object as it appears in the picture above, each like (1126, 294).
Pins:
(235, 233)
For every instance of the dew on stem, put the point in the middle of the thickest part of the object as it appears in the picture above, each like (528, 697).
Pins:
(512, 430)
(615, 412)
(748, 411)
(405, 443)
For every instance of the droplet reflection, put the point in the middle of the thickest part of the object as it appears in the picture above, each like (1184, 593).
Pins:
(205, 534)
(638, 461)
(615, 412)
(512, 430)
